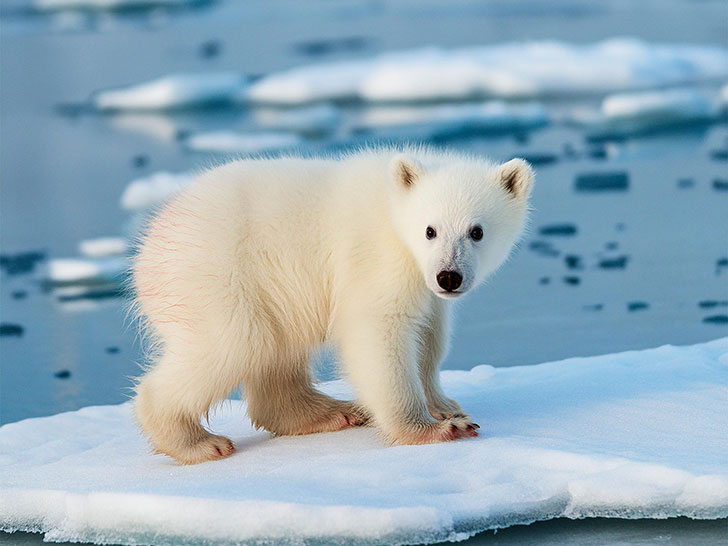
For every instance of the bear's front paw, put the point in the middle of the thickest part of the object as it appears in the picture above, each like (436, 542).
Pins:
(445, 430)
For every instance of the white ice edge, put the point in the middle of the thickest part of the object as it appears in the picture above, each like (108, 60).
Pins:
(103, 246)
(511, 70)
(173, 91)
(630, 435)
(54, 5)
(86, 270)
(146, 193)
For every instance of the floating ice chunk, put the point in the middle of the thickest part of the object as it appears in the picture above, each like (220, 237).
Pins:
(146, 193)
(723, 97)
(86, 271)
(159, 126)
(632, 435)
(650, 111)
(242, 143)
(522, 69)
(173, 91)
(453, 119)
(314, 121)
(54, 5)
(103, 246)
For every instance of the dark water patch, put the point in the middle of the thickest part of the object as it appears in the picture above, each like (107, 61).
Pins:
(570, 150)
(544, 280)
(612, 245)
(540, 159)
(710, 304)
(637, 306)
(720, 154)
(543, 248)
(573, 261)
(22, 262)
(558, 230)
(685, 183)
(521, 138)
(210, 49)
(62, 374)
(317, 48)
(720, 184)
(597, 152)
(720, 263)
(20, 294)
(601, 182)
(620, 226)
(8, 329)
(573, 281)
(94, 294)
(716, 319)
(112, 350)
(620, 262)
(140, 161)
(594, 307)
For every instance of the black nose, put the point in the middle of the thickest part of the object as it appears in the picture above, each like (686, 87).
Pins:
(449, 280)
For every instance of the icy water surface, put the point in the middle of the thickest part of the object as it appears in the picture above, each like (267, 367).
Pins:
(628, 242)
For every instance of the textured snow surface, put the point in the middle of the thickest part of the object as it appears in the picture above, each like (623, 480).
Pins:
(510, 70)
(173, 91)
(633, 435)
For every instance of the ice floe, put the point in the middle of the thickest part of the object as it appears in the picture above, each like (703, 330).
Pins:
(518, 69)
(232, 142)
(451, 119)
(103, 246)
(631, 435)
(146, 193)
(86, 270)
(172, 92)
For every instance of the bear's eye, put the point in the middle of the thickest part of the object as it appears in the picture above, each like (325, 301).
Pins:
(476, 234)
(430, 232)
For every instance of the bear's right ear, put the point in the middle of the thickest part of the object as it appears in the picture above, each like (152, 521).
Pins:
(406, 170)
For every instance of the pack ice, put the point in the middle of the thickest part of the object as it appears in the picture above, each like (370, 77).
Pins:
(513, 70)
(629, 435)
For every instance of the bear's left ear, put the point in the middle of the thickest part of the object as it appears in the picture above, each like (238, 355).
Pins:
(406, 170)
(517, 177)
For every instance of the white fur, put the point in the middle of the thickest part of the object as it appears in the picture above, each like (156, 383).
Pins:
(258, 262)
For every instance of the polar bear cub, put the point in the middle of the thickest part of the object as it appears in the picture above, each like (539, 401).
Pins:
(258, 262)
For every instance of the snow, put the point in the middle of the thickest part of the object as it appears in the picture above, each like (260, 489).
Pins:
(86, 270)
(631, 435)
(103, 246)
(452, 119)
(242, 143)
(146, 193)
(518, 69)
(317, 120)
(173, 91)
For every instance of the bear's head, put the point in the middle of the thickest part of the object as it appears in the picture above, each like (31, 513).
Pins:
(458, 216)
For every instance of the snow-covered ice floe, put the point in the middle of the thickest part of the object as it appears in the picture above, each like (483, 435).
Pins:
(630, 435)
(451, 119)
(173, 92)
(146, 193)
(232, 142)
(649, 111)
(86, 270)
(519, 69)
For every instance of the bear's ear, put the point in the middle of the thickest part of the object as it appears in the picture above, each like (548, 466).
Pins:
(516, 176)
(406, 170)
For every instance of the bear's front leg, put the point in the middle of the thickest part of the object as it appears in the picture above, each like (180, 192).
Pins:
(380, 358)
(433, 338)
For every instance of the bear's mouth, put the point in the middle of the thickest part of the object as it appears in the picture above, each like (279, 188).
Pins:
(450, 295)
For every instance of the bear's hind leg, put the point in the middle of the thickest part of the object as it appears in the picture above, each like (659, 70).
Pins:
(284, 402)
(171, 400)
